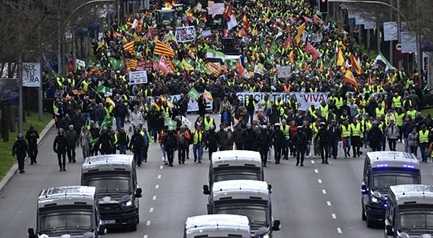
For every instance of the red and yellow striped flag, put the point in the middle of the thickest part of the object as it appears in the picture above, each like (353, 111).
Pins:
(129, 47)
(356, 65)
(163, 49)
(131, 64)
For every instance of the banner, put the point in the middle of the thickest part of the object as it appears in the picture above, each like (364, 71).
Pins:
(185, 34)
(192, 104)
(137, 77)
(31, 75)
(214, 9)
(390, 31)
(305, 100)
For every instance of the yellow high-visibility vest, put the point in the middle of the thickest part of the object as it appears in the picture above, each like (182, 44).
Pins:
(423, 136)
(380, 112)
(345, 131)
(197, 138)
(208, 124)
(356, 129)
(396, 102)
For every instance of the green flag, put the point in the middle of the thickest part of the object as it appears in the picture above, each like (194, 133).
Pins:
(193, 94)
(116, 64)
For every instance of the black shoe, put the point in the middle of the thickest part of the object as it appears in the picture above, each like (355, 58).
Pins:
(171, 165)
(199, 161)
(61, 169)
(302, 165)
(22, 171)
(323, 162)
(297, 164)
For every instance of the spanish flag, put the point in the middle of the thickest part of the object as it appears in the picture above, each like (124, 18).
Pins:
(349, 79)
(356, 65)
(129, 47)
(300, 34)
(340, 57)
(163, 49)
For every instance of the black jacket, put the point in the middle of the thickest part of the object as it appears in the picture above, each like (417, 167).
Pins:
(20, 148)
(60, 144)
(32, 137)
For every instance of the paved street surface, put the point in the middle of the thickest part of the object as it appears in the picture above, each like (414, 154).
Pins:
(314, 201)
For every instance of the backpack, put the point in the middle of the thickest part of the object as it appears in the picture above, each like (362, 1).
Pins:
(187, 135)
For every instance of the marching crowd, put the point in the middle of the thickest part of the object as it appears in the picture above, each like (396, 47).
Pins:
(369, 103)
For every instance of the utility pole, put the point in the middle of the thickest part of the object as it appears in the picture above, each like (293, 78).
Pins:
(20, 91)
(391, 48)
(399, 30)
(59, 40)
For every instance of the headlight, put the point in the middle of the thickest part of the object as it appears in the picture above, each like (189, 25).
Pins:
(266, 236)
(128, 203)
(374, 200)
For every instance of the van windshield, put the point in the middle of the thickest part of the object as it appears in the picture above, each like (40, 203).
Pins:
(382, 182)
(55, 222)
(412, 221)
(109, 184)
(238, 172)
(256, 213)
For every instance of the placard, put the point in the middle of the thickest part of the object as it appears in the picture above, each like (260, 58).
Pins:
(408, 42)
(31, 73)
(214, 9)
(284, 71)
(185, 34)
(390, 31)
(137, 77)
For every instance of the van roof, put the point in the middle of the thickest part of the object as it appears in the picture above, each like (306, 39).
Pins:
(412, 194)
(108, 162)
(236, 158)
(217, 221)
(394, 159)
(67, 195)
(240, 189)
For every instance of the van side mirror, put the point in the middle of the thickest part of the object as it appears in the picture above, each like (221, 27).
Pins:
(364, 189)
(206, 190)
(270, 187)
(138, 193)
(389, 230)
(276, 225)
(31, 233)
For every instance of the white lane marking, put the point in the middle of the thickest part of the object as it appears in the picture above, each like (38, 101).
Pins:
(328, 203)
(319, 181)
(157, 186)
(316, 171)
(161, 167)
(333, 216)
(151, 210)
(154, 197)
(148, 222)
(324, 191)
(312, 161)
(145, 236)
(159, 176)
(339, 231)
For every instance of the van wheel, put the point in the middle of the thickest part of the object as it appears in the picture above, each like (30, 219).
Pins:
(369, 223)
(363, 215)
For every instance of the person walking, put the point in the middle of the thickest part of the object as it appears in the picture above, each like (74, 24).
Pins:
(136, 145)
(301, 141)
(423, 139)
(334, 138)
(211, 141)
(286, 132)
(265, 143)
(170, 145)
(85, 142)
(412, 141)
(121, 140)
(392, 133)
(20, 150)
(345, 137)
(60, 146)
(32, 137)
(183, 141)
(356, 132)
(71, 138)
(197, 144)
(279, 141)
(375, 137)
(323, 142)
(146, 142)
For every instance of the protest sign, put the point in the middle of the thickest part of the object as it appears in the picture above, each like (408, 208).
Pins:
(137, 77)
(31, 75)
(185, 34)
(284, 71)
(390, 31)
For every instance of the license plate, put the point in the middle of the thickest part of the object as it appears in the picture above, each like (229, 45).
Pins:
(106, 222)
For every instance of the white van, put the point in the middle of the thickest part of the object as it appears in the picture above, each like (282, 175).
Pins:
(217, 226)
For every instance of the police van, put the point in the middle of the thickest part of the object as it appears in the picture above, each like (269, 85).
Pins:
(234, 165)
(68, 210)
(248, 198)
(217, 226)
(115, 179)
(382, 170)
(410, 211)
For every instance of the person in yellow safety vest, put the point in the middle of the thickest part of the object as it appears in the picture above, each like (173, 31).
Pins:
(324, 110)
(390, 116)
(279, 103)
(356, 132)
(380, 111)
(312, 112)
(197, 144)
(399, 121)
(85, 86)
(208, 123)
(59, 81)
(285, 129)
(396, 101)
(339, 102)
(412, 113)
(250, 105)
(424, 139)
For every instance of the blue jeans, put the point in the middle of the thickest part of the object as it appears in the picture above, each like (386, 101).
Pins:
(122, 149)
(198, 152)
(120, 122)
(423, 149)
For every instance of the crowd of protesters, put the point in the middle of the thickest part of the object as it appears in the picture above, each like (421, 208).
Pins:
(369, 103)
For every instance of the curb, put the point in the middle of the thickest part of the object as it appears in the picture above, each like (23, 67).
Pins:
(13, 170)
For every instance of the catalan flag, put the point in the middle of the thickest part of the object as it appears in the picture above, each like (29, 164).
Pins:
(356, 65)
(300, 33)
(215, 69)
(163, 49)
(131, 64)
(340, 57)
(129, 47)
(349, 79)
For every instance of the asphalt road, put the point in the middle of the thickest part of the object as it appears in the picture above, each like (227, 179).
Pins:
(313, 201)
